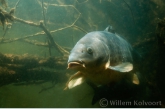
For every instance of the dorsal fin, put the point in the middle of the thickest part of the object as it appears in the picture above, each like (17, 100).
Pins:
(110, 29)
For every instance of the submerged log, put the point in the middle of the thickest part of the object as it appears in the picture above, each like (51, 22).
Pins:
(30, 61)
(25, 68)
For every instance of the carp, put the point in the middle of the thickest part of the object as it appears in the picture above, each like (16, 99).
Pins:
(101, 57)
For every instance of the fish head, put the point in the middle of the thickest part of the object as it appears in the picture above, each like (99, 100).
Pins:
(88, 54)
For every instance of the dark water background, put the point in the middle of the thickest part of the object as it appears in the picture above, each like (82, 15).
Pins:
(70, 20)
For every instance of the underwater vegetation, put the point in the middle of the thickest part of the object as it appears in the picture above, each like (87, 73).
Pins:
(38, 43)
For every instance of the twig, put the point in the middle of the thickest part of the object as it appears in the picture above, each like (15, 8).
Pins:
(43, 12)
(47, 88)
(80, 29)
(16, 4)
(16, 39)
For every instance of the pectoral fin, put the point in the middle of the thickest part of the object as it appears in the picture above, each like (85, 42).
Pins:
(135, 79)
(75, 80)
(124, 67)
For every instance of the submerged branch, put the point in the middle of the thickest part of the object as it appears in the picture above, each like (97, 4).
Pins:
(16, 39)
(35, 42)
(51, 40)
(41, 25)
(80, 29)
(43, 12)
(26, 22)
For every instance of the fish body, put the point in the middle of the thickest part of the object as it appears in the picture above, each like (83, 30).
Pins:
(101, 57)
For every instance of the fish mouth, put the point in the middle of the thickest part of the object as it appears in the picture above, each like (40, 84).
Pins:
(76, 65)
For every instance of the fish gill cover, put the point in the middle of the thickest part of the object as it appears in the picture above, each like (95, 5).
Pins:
(36, 37)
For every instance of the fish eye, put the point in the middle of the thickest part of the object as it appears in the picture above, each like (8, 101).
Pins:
(89, 50)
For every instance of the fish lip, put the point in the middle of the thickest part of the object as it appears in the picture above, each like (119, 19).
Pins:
(76, 64)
